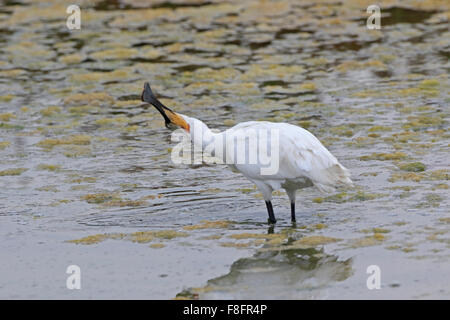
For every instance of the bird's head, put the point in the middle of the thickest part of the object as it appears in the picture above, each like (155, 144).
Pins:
(171, 118)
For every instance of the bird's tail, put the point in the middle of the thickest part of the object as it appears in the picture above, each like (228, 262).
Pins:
(334, 176)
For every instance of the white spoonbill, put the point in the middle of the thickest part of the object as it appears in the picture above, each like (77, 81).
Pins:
(302, 161)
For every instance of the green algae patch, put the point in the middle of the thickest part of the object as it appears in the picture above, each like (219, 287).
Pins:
(157, 245)
(384, 156)
(212, 237)
(272, 242)
(442, 186)
(148, 236)
(441, 174)
(169, 234)
(82, 110)
(152, 196)
(381, 230)
(50, 111)
(216, 74)
(377, 232)
(193, 293)
(445, 220)
(229, 122)
(355, 65)
(342, 130)
(303, 243)
(375, 239)
(142, 236)
(373, 174)
(246, 190)
(365, 196)
(429, 83)
(235, 244)
(96, 238)
(80, 139)
(151, 54)
(357, 196)
(258, 72)
(97, 198)
(337, 198)
(138, 237)
(362, 142)
(318, 200)
(430, 200)
(320, 226)
(13, 172)
(366, 94)
(206, 224)
(14, 73)
(127, 103)
(305, 124)
(308, 86)
(314, 241)
(112, 121)
(4, 144)
(419, 91)
(424, 122)
(7, 98)
(71, 58)
(413, 167)
(115, 54)
(49, 167)
(246, 235)
(278, 193)
(94, 99)
(48, 188)
(410, 176)
(103, 77)
(379, 236)
(7, 116)
(77, 151)
(379, 128)
(74, 178)
(125, 203)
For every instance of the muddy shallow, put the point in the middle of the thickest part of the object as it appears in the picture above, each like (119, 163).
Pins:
(85, 168)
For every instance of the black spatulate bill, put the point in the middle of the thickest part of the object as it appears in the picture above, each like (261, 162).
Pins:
(149, 97)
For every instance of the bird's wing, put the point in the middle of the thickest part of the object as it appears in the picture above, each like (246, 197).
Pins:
(302, 154)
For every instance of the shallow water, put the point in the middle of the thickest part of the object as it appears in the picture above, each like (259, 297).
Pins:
(85, 165)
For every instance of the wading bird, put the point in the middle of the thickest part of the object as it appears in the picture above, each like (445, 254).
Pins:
(302, 160)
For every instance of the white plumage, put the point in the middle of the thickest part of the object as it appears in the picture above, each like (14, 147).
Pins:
(303, 160)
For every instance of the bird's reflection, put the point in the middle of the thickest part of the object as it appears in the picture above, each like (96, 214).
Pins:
(278, 274)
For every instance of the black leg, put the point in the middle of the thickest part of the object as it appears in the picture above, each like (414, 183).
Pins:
(270, 211)
(293, 211)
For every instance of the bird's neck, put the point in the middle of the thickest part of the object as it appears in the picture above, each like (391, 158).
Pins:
(201, 135)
